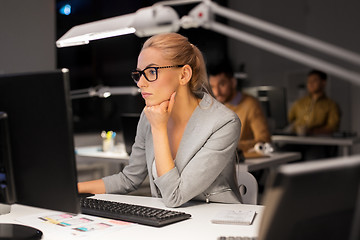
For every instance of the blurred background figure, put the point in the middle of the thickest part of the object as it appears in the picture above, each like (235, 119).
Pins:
(316, 113)
(254, 127)
(313, 115)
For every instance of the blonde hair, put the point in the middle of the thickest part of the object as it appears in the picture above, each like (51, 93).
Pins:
(180, 51)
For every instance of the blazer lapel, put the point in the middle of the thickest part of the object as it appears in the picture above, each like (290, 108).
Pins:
(187, 148)
(150, 158)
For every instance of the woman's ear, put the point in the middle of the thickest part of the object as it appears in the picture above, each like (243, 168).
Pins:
(186, 74)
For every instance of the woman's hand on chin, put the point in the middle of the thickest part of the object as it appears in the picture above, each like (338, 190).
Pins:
(158, 115)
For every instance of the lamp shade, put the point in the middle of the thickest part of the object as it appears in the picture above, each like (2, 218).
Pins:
(145, 22)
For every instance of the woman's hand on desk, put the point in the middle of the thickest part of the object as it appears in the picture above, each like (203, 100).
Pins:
(95, 187)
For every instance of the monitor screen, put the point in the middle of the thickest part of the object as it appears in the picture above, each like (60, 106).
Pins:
(273, 102)
(129, 126)
(7, 184)
(313, 200)
(39, 119)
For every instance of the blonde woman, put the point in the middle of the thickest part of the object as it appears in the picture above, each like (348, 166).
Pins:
(186, 140)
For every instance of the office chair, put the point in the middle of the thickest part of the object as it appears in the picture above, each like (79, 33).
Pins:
(248, 187)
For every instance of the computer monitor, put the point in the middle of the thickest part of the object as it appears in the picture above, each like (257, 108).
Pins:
(129, 127)
(39, 121)
(7, 183)
(273, 102)
(313, 200)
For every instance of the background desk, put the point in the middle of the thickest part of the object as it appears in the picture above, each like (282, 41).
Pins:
(344, 143)
(93, 163)
(118, 155)
(94, 153)
(197, 227)
(274, 160)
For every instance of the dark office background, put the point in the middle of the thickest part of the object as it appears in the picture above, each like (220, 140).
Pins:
(29, 30)
(109, 62)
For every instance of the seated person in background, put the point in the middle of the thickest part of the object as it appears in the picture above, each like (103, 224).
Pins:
(254, 127)
(186, 140)
(315, 114)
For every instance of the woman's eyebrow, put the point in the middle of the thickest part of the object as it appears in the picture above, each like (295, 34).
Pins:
(149, 65)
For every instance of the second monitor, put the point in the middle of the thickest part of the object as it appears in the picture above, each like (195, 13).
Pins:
(273, 102)
(313, 200)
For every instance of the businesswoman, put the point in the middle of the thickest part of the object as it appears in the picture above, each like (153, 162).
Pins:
(186, 140)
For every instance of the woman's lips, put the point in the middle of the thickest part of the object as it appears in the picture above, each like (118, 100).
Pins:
(145, 94)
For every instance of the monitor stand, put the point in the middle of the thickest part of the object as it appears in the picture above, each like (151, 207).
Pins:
(15, 231)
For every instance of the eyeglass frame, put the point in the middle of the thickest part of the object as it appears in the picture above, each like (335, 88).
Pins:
(142, 72)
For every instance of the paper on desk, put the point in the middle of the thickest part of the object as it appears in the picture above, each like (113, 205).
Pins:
(234, 217)
(59, 225)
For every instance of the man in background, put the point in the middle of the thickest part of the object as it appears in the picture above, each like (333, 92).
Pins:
(254, 127)
(315, 114)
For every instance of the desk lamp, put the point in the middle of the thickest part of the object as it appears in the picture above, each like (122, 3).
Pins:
(162, 18)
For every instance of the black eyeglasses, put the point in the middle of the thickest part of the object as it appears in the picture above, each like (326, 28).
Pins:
(150, 73)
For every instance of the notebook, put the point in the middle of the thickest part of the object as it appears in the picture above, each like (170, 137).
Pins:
(234, 217)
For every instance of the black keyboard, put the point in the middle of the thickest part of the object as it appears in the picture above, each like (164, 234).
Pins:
(236, 238)
(131, 213)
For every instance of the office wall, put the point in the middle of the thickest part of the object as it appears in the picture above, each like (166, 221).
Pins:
(334, 21)
(27, 35)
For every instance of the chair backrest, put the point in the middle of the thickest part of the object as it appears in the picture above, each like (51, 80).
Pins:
(248, 187)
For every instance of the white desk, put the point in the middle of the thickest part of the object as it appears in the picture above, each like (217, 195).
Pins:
(197, 227)
(119, 153)
(275, 159)
(93, 163)
(344, 143)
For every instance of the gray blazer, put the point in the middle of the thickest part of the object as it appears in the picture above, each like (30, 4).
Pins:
(204, 164)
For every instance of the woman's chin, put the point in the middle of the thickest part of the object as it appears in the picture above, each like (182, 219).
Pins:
(152, 103)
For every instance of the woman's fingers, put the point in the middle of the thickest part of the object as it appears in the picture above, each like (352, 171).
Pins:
(171, 102)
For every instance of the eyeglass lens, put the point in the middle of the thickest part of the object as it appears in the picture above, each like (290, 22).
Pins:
(150, 74)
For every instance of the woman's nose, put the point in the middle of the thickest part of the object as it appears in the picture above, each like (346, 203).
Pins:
(142, 82)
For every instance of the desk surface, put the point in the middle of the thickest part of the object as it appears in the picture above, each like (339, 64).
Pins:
(92, 154)
(273, 160)
(118, 152)
(316, 140)
(197, 227)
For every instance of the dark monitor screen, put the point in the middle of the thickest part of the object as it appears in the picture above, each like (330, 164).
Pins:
(7, 183)
(273, 102)
(129, 127)
(313, 200)
(39, 115)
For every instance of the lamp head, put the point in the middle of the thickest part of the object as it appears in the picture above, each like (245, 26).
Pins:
(155, 20)
(144, 22)
(84, 33)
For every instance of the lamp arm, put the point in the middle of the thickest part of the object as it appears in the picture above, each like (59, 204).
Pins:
(104, 92)
(286, 33)
(177, 2)
(286, 52)
(203, 16)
